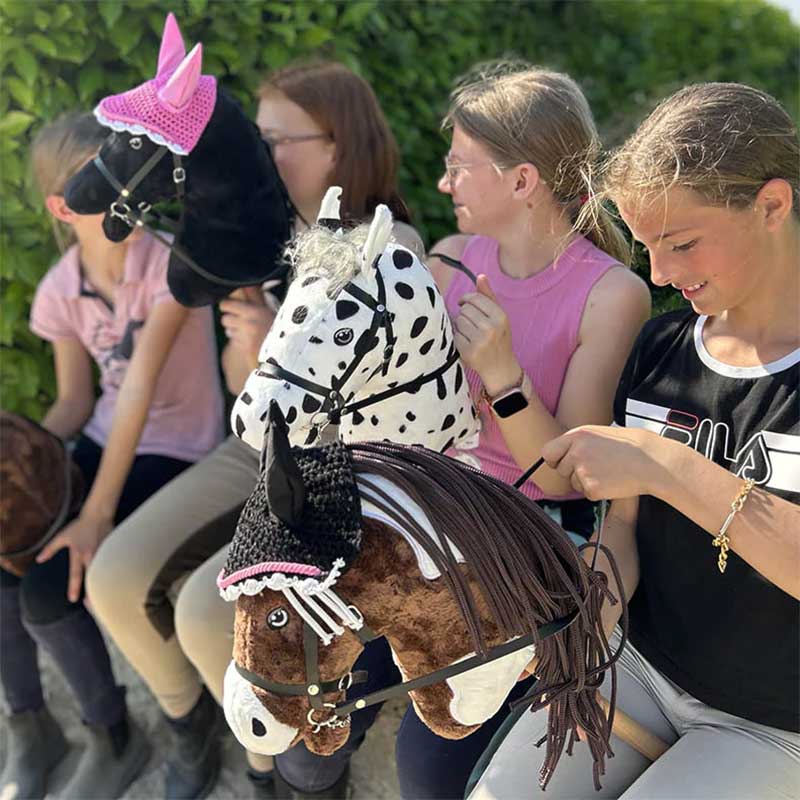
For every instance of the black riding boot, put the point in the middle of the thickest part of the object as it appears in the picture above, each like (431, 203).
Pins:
(278, 789)
(194, 760)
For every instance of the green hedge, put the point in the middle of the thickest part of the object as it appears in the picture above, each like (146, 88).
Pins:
(57, 56)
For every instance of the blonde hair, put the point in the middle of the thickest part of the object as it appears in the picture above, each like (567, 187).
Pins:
(58, 151)
(722, 140)
(526, 114)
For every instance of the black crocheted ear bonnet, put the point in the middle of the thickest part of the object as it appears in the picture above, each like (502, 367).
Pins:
(301, 526)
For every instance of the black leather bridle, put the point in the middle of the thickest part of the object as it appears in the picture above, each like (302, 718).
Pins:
(334, 405)
(314, 688)
(141, 214)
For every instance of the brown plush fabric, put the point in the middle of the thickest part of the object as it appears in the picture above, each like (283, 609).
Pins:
(33, 477)
(384, 583)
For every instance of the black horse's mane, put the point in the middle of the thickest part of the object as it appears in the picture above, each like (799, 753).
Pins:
(529, 574)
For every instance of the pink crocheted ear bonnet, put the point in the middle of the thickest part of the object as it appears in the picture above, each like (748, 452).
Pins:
(173, 108)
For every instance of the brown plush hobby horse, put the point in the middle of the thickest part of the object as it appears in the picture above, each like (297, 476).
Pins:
(41, 488)
(465, 577)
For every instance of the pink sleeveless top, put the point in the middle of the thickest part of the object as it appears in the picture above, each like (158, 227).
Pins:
(545, 314)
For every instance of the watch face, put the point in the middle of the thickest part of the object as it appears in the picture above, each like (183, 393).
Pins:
(510, 404)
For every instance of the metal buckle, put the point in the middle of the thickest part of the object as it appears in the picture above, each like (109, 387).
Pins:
(135, 143)
(178, 175)
(349, 679)
(124, 214)
(331, 722)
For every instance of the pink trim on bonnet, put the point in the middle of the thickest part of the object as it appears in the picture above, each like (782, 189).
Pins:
(286, 567)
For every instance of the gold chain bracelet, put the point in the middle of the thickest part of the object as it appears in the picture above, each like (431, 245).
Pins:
(722, 540)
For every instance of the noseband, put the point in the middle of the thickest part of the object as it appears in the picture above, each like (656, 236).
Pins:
(141, 214)
(314, 688)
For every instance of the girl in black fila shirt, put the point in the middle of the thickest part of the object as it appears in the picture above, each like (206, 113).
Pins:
(703, 465)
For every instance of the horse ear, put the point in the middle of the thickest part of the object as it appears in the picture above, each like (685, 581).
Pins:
(172, 48)
(380, 231)
(329, 210)
(178, 90)
(286, 491)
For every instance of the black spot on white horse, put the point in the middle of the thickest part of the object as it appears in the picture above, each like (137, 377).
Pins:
(343, 336)
(309, 280)
(246, 398)
(258, 728)
(240, 426)
(346, 309)
(404, 290)
(311, 438)
(401, 359)
(315, 340)
(418, 326)
(449, 421)
(357, 418)
(311, 371)
(410, 416)
(299, 315)
(374, 420)
(441, 389)
(431, 296)
(426, 347)
(459, 381)
(402, 259)
(402, 429)
(311, 404)
(342, 365)
(291, 415)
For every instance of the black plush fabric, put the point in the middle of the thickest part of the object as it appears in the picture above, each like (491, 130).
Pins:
(330, 526)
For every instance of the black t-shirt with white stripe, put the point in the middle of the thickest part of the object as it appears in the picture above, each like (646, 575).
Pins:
(730, 640)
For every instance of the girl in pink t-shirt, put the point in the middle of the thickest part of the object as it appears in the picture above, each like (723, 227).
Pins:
(159, 409)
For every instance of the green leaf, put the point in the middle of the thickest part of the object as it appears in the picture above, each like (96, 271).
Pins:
(15, 123)
(90, 81)
(21, 92)
(41, 19)
(43, 44)
(25, 64)
(198, 7)
(125, 38)
(110, 11)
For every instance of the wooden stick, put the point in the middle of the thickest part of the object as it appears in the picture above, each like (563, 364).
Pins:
(635, 735)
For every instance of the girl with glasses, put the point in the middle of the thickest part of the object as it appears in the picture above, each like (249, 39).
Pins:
(546, 331)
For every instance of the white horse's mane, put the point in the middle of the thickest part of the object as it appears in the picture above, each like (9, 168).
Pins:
(335, 255)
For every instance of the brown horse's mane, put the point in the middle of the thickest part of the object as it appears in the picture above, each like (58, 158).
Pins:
(529, 573)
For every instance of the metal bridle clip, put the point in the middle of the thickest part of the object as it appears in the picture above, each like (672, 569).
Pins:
(144, 207)
(135, 143)
(331, 722)
(124, 214)
(178, 175)
(343, 687)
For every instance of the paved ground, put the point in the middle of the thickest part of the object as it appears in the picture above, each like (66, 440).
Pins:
(373, 770)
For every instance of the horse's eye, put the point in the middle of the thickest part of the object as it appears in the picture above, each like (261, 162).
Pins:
(343, 336)
(277, 618)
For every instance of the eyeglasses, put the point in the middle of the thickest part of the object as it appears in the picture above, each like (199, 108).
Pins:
(273, 141)
(453, 169)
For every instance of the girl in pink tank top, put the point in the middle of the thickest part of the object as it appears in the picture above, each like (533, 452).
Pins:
(546, 331)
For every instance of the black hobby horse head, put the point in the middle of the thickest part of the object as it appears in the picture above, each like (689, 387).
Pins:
(180, 135)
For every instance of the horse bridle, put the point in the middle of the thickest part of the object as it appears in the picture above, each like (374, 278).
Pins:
(314, 688)
(334, 405)
(141, 215)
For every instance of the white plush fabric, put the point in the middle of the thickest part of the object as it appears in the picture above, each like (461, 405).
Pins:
(314, 335)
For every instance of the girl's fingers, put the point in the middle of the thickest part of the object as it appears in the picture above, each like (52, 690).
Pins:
(476, 317)
(75, 575)
(51, 548)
